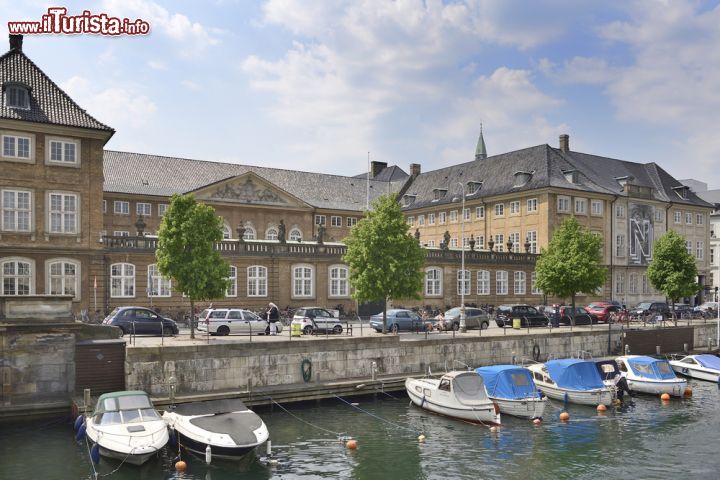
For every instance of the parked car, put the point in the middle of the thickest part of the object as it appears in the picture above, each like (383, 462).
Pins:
(141, 320)
(224, 321)
(682, 308)
(474, 318)
(602, 311)
(529, 316)
(651, 308)
(397, 320)
(707, 306)
(582, 316)
(316, 320)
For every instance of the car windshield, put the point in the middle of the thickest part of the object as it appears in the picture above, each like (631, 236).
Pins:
(453, 312)
(113, 313)
(250, 315)
(644, 305)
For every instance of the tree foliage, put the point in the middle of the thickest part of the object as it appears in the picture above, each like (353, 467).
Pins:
(571, 263)
(186, 251)
(673, 270)
(385, 260)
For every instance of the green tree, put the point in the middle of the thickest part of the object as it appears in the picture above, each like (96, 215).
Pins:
(673, 270)
(571, 263)
(186, 251)
(385, 260)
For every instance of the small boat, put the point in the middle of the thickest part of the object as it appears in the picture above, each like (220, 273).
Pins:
(608, 370)
(702, 367)
(126, 426)
(514, 390)
(230, 428)
(650, 375)
(458, 394)
(572, 380)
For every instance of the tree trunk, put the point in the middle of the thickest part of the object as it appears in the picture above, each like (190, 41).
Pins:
(572, 312)
(192, 319)
(385, 315)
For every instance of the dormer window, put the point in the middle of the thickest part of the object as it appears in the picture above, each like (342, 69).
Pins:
(408, 200)
(572, 176)
(439, 193)
(17, 96)
(473, 187)
(623, 181)
(522, 178)
(683, 191)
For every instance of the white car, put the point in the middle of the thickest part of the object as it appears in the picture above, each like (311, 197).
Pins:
(707, 306)
(224, 321)
(316, 319)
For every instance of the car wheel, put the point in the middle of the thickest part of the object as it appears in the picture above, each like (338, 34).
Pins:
(223, 330)
(455, 326)
(484, 325)
(378, 330)
(308, 330)
(337, 329)
(168, 332)
(122, 331)
(394, 328)
(267, 330)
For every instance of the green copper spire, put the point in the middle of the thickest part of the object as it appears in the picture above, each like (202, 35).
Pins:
(480, 151)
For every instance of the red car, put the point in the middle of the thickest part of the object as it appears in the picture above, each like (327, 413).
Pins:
(602, 310)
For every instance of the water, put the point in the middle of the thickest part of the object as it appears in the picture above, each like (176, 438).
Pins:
(647, 440)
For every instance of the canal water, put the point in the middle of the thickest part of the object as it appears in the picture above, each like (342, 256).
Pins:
(648, 440)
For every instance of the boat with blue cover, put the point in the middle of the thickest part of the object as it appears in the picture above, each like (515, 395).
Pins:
(514, 390)
(572, 380)
(650, 375)
(702, 367)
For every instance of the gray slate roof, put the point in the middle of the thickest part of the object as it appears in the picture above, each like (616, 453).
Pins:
(136, 173)
(548, 166)
(48, 102)
(392, 173)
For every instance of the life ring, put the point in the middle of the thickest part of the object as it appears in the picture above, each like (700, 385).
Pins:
(536, 352)
(306, 369)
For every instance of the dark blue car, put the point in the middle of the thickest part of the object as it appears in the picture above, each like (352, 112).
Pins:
(141, 321)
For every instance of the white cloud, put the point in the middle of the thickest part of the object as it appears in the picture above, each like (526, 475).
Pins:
(579, 70)
(122, 108)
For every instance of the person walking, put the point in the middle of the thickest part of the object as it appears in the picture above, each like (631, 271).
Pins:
(273, 316)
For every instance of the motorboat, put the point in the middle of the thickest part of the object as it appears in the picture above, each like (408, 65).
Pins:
(125, 426)
(608, 370)
(514, 390)
(230, 428)
(458, 394)
(572, 380)
(650, 375)
(702, 367)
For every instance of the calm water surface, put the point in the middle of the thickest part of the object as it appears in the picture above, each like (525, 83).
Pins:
(648, 440)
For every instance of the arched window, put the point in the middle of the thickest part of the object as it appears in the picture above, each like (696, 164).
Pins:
(227, 232)
(463, 282)
(232, 288)
(158, 286)
(122, 280)
(295, 235)
(271, 233)
(257, 281)
(249, 233)
(17, 276)
(339, 281)
(303, 277)
(433, 282)
(63, 275)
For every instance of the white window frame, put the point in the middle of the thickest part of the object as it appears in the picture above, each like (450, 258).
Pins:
(121, 233)
(596, 208)
(62, 278)
(689, 246)
(532, 205)
(250, 233)
(632, 283)
(145, 207)
(700, 250)
(619, 283)
(532, 239)
(16, 211)
(463, 282)
(515, 207)
(64, 143)
(620, 245)
(533, 284)
(483, 282)
(501, 282)
(466, 214)
(442, 220)
(454, 242)
(303, 280)
(338, 285)
(320, 220)
(158, 286)
(411, 221)
(257, 281)
(351, 221)
(619, 211)
(480, 242)
(421, 220)
(30, 277)
(16, 137)
(520, 282)
(295, 234)
(678, 217)
(699, 219)
(272, 233)
(453, 216)
(563, 204)
(20, 92)
(231, 291)
(121, 210)
(688, 218)
(480, 212)
(515, 238)
(499, 242)
(67, 228)
(499, 209)
(162, 209)
(125, 280)
(335, 221)
(433, 282)
(227, 232)
(581, 206)
(645, 284)
(431, 219)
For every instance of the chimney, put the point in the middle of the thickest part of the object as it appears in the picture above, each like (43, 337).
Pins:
(414, 170)
(16, 42)
(564, 142)
(376, 168)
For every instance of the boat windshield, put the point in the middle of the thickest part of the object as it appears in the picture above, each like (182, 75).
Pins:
(116, 410)
(469, 388)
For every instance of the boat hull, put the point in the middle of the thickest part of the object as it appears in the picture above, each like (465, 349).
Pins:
(523, 408)
(593, 397)
(708, 375)
(483, 413)
(129, 448)
(657, 387)
(223, 452)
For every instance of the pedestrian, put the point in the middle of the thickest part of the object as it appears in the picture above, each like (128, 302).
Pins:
(273, 316)
(556, 316)
(440, 324)
(426, 321)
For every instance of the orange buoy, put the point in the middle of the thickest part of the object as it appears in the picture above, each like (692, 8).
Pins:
(601, 408)
(564, 417)
(180, 466)
(665, 397)
(688, 392)
(537, 421)
(351, 444)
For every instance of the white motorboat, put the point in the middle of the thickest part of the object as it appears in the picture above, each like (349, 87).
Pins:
(125, 426)
(702, 367)
(458, 394)
(650, 375)
(227, 426)
(513, 389)
(572, 380)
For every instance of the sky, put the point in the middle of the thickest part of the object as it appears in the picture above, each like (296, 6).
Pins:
(320, 85)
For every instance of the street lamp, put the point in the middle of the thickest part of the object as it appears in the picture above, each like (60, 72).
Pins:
(463, 327)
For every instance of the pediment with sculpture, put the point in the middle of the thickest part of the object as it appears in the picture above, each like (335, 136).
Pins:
(248, 189)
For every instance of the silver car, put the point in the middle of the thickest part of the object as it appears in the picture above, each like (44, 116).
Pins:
(224, 321)
(474, 318)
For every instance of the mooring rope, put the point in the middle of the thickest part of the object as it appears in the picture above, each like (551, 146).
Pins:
(339, 435)
(397, 425)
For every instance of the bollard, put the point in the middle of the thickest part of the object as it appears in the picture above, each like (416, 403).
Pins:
(657, 349)
(685, 347)
(627, 349)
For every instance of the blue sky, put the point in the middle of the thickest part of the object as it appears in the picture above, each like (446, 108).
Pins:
(315, 86)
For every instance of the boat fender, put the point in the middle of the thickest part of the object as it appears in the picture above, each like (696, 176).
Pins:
(95, 454)
(79, 421)
(306, 369)
(80, 433)
(208, 455)
(536, 352)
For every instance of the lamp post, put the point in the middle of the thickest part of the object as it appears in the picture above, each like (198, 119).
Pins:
(463, 327)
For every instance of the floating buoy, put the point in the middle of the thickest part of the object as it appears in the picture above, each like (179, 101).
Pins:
(208, 455)
(421, 438)
(537, 421)
(351, 444)
(80, 433)
(601, 408)
(180, 466)
(688, 392)
(95, 454)
(78, 421)
(665, 397)
(564, 417)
